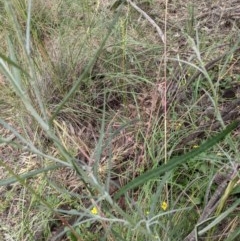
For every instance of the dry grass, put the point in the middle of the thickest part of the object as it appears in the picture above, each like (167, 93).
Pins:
(126, 86)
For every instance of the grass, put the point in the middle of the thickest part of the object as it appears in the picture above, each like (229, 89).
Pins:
(93, 145)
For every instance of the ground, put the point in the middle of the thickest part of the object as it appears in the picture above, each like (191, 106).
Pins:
(99, 87)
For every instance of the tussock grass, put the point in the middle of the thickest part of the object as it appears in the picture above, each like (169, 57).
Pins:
(83, 139)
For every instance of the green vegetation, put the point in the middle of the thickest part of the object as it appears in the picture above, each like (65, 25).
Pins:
(119, 120)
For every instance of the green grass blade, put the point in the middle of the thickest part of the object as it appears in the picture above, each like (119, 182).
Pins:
(87, 69)
(12, 63)
(30, 174)
(28, 42)
(175, 161)
(220, 217)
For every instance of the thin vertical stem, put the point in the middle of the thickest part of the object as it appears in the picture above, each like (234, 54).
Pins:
(165, 83)
(165, 95)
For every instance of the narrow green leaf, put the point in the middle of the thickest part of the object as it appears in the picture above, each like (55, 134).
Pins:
(30, 174)
(220, 217)
(10, 62)
(175, 161)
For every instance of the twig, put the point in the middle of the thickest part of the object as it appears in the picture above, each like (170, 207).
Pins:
(160, 32)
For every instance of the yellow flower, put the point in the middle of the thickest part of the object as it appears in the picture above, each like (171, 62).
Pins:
(164, 206)
(178, 126)
(195, 146)
(94, 211)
